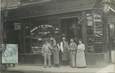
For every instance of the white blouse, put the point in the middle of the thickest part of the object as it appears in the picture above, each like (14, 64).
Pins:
(81, 47)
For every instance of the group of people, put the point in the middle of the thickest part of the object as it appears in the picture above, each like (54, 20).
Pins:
(63, 53)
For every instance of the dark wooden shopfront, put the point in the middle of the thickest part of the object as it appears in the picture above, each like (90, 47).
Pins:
(77, 17)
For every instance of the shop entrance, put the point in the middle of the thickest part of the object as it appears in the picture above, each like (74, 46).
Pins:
(71, 28)
(112, 36)
(112, 42)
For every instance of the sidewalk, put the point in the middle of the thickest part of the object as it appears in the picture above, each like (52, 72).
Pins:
(63, 69)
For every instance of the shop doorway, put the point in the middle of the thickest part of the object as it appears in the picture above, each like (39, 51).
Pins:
(70, 28)
(112, 42)
(112, 36)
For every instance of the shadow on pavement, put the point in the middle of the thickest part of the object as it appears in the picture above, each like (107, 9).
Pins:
(11, 72)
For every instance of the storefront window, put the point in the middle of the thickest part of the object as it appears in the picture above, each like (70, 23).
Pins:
(71, 28)
(35, 35)
(95, 35)
(39, 34)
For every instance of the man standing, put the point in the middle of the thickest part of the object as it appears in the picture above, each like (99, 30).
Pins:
(46, 51)
(55, 51)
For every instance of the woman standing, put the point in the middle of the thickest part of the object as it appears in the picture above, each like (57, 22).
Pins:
(80, 56)
(72, 50)
(56, 56)
(64, 49)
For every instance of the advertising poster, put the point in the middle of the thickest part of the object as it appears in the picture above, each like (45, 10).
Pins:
(10, 54)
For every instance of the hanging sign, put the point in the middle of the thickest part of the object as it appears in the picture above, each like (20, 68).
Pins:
(97, 17)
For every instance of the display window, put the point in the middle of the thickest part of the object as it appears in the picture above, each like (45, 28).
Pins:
(71, 28)
(35, 36)
(95, 33)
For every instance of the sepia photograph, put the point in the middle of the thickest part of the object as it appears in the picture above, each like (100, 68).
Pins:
(57, 36)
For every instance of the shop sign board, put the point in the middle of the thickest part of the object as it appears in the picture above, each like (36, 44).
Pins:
(17, 26)
(97, 18)
(10, 54)
(89, 19)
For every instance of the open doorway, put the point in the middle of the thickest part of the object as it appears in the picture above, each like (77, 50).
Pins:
(112, 36)
(71, 28)
(112, 42)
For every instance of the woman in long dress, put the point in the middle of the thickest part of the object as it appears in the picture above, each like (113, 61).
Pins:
(72, 50)
(80, 55)
(64, 49)
(56, 56)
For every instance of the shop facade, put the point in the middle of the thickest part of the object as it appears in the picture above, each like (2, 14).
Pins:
(75, 19)
(111, 23)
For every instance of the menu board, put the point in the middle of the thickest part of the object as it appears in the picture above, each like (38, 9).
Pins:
(10, 54)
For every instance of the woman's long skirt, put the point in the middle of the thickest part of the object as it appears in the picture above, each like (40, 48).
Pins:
(72, 58)
(80, 59)
(65, 56)
(56, 58)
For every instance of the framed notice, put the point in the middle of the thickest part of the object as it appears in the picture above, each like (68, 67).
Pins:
(10, 54)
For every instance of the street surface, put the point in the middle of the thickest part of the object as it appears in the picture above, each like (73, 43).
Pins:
(63, 69)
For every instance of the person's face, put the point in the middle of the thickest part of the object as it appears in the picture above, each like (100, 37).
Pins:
(80, 42)
(63, 38)
(71, 40)
(51, 38)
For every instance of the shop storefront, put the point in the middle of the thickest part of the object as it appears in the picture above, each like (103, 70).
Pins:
(79, 20)
(111, 23)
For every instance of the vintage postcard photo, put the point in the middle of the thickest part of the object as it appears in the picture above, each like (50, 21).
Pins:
(57, 36)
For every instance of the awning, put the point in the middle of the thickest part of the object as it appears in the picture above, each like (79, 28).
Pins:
(52, 8)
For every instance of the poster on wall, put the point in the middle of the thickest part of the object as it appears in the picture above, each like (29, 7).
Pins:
(10, 54)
